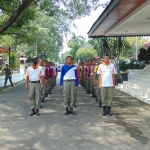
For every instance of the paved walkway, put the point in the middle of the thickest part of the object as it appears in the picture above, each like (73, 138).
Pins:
(128, 129)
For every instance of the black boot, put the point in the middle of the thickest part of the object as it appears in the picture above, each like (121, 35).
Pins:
(93, 95)
(104, 111)
(42, 100)
(37, 112)
(46, 94)
(99, 104)
(32, 112)
(40, 106)
(72, 112)
(109, 111)
(88, 92)
(50, 92)
(66, 112)
(96, 99)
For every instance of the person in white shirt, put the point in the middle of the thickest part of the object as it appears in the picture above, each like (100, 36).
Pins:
(35, 78)
(106, 73)
(43, 68)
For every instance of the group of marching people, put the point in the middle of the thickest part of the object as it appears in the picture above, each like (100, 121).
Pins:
(98, 79)
(89, 78)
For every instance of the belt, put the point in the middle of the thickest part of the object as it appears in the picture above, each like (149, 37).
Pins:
(35, 81)
(69, 80)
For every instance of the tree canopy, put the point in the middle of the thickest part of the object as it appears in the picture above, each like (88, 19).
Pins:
(85, 53)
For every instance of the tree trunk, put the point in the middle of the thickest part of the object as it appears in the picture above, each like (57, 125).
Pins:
(15, 16)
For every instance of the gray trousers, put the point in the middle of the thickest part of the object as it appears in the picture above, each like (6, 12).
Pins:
(69, 89)
(92, 84)
(107, 96)
(35, 95)
(98, 91)
(88, 84)
(43, 91)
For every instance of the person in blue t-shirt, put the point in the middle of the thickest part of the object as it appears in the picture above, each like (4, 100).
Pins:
(69, 83)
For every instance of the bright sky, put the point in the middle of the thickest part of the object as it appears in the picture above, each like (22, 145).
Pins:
(84, 25)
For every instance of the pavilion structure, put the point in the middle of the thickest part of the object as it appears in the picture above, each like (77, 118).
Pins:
(124, 18)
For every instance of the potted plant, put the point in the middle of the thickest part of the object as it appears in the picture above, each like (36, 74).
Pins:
(123, 67)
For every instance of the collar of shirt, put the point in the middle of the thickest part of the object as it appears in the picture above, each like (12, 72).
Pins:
(35, 66)
(106, 64)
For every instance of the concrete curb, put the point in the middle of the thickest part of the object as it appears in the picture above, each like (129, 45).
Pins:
(9, 86)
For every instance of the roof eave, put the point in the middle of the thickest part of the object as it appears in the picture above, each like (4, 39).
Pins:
(103, 16)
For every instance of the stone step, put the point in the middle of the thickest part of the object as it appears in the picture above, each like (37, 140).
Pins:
(134, 81)
(139, 86)
(144, 98)
(143, 75)
(147, 79)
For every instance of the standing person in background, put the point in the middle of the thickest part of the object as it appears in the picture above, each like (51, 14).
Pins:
(85, 74)
(106, 84)
(55, 74)
(46, 64)
(96, 82)
(50, 76)
(8, 75)
(76, 90)
(42, 65)
(82, 74)
(35, 79)
(93, 63)
(69, 83)
(88, 77)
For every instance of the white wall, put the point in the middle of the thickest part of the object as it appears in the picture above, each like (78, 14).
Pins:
(133, 73)
(15, 78)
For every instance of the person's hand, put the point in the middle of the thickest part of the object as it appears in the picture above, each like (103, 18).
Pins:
(94, 84)
(76, 88)
(114, 86)
(62, 88)
(46, 81)
(41, 88)
(26, 88)
(100, 87)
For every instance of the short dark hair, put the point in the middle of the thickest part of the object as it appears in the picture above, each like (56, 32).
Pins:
(69, 57)
(106, 55)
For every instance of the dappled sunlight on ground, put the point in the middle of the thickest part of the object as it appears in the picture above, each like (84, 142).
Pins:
(128, 129)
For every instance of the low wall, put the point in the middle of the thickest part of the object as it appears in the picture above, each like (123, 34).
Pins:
(15, 78)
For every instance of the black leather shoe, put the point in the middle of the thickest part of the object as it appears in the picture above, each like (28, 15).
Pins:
(42, 100)
(72, 112)
(109, 111)
(32, 112)
(96, 99)
(88, 92)
(40, 106)
(99, 104)
(37, 112)
(93, 95)
(104, 111)
(66, 112)
(50, 92)
(46, 95)
(12, 85)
